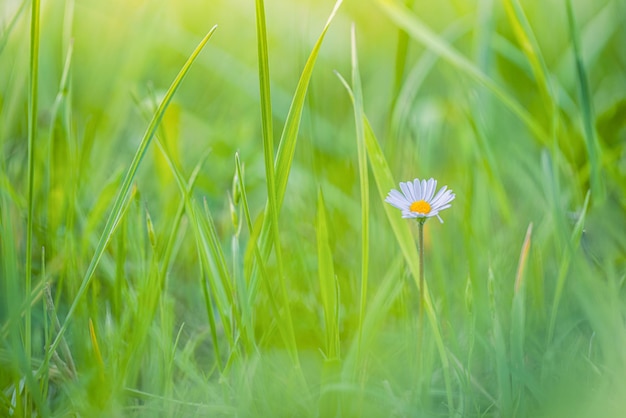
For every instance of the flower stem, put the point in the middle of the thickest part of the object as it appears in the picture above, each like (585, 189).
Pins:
(420, 246)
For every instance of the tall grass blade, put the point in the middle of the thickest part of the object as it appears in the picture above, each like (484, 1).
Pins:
(120, 201)
(33, 100)
(570, 249)
(329, 287)
(271, 213)
(364, 185)
(591, 140)
(518, 324)
(530, 48)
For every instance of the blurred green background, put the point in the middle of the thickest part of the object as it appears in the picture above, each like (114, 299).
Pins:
(519, 107)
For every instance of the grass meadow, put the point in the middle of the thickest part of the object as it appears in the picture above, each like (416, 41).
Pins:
(192, 215)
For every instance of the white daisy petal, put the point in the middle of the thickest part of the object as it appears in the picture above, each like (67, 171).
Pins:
(439, 194)
(397, 199)
(397, 205)
(418, 190)
(397, 195)
(446, 197)
(432, 185)
(407, 190)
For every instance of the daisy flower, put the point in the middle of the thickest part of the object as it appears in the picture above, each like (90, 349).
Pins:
(418, 199)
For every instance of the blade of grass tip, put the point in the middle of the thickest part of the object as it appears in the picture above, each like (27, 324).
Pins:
(569, 251)
(33, 99)
(523, 258)
(125, 188)
(384, 182)
(407, 20)
(96, 350)
(287, 145)
(518, 320)
(364, 186)
(271, 213)
(591, 140)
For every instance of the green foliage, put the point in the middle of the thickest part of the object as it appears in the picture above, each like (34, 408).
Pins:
(173, 282)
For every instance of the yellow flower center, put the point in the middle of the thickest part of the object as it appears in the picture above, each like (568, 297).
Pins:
(421, 206)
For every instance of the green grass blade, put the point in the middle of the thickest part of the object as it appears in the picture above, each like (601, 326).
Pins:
(125, 188)
(33, 100)
(288, 139)
(591, 140)
(404, 18)
(530, 48)
(569, 251)
(363, 182)
(329, 287)
(271, 213)
(402, 48)
(253, 291)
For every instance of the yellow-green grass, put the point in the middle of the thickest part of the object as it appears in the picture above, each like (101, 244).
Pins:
(192, 215)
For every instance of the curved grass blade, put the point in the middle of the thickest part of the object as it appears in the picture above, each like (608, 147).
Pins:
(125, 188)
(364, 186)
(565, 264)
(404, 18)
(591, 140)
(530, 48)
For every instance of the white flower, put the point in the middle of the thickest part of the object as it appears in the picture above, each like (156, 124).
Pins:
(418, 199)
